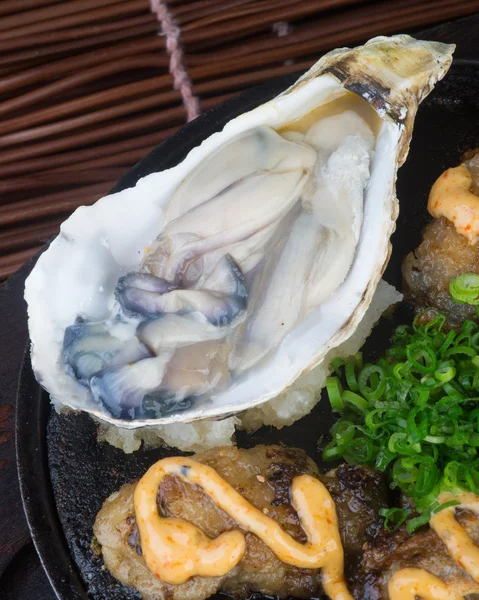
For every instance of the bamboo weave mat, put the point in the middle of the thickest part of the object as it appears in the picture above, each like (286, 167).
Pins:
(88, 87)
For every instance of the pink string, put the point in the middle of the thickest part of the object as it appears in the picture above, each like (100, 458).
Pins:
(172, 33)
(281, 28)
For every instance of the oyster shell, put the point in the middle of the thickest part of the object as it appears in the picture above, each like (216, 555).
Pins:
(209, 288)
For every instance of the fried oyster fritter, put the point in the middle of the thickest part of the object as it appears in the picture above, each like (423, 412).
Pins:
(390, 552)
(442, 255)
(263, 476)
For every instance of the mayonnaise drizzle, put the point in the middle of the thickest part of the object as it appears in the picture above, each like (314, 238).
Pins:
(451, 197)
(408, 584)
(458, 543)
(176, 550)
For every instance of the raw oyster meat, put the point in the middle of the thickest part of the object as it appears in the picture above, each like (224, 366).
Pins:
(209, 288)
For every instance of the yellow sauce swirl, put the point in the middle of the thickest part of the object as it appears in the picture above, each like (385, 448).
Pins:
(452, 197)
(459, 545)
(408, 584)
(176, 550)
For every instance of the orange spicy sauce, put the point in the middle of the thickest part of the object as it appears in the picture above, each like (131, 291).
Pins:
(176, 550)
(452, 197)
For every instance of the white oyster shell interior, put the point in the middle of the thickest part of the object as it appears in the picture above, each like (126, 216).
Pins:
(209, 288)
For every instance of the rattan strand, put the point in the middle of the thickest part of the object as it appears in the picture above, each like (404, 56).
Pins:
(85, 88)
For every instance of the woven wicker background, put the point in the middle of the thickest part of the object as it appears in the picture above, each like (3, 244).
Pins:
(86, 89)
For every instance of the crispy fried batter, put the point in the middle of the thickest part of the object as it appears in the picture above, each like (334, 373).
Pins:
(442, 255)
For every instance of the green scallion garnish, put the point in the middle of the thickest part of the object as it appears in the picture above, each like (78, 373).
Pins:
(414, 414)
(465, 288)
(393, 517)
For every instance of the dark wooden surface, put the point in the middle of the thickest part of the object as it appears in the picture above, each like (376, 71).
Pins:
(21, 575)
(17, 555)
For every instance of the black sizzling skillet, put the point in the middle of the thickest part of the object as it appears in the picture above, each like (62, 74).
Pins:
(65, 475)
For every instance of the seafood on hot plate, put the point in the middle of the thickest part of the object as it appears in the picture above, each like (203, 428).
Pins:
(216, 293)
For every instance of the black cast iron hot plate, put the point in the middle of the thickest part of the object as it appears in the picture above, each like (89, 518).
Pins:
(65, 475)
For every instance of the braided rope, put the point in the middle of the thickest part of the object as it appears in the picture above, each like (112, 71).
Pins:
(172, 33)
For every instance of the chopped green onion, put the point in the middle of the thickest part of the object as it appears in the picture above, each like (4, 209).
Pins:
(384, 459)
(453, 390)
(422, 357)
(400, 443)
(417, 323)
(343, 432)
(403, 474)
(468, 327)
(445, 505)
(358, 360)
(465, 288)
(332, 452)
(451, 471)
(393, 517)
(374, 419)
(475, 342)
(372, 382)
(427, 477)
(446, 343)
(459, 438)
(437, 323)
(359, 451)
(336, 365)
(350, 373)
(398, 371)
(413, 413)
(334, 389)
(435, 439)
(460, 350)
(356, 402)
(423, 397)
(417, 430)
(418, 522)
